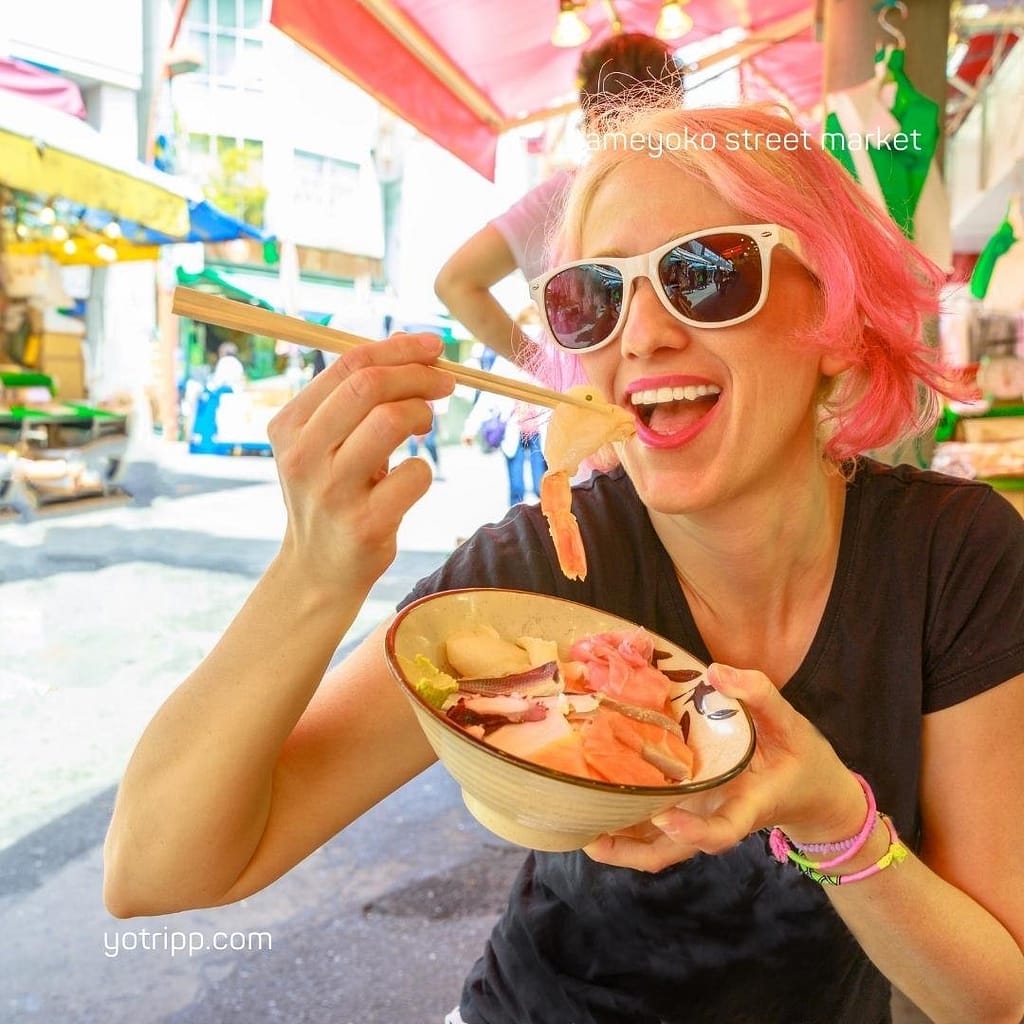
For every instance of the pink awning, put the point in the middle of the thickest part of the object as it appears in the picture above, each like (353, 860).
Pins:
(463, 73)
(35, 83)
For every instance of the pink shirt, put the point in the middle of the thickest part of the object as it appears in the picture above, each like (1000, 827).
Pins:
(528, 224)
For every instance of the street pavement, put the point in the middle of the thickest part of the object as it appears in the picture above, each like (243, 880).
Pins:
(103, 610)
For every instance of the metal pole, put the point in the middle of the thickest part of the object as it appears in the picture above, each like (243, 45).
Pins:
(851, 28)
(927, 30)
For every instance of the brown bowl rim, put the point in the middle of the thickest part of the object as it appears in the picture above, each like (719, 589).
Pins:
(681, 788)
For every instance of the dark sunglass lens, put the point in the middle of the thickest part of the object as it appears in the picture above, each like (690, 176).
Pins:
(583, 305)
(714, 278)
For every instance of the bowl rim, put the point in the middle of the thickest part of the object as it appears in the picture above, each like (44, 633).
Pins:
(679, 788)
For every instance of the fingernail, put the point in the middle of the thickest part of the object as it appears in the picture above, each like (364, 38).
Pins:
(724, 673)
(662, 821)
(431, 342)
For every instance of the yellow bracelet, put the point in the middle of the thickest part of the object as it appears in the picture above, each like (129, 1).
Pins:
(893, 855)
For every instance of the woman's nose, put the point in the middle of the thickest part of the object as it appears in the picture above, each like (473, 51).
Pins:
(649, 325)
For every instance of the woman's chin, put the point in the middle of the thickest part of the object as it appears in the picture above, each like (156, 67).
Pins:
(669, 490)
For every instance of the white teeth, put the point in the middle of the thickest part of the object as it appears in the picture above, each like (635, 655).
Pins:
(690, 393)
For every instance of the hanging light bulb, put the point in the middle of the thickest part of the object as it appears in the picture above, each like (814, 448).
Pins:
(570, 29)
(112, 229)
(673, 21)
(105, 252)
(47, 215)
(59, 233)
(70, 248)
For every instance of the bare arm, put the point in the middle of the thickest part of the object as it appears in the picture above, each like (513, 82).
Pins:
(464, 285)
(948, 928)
(243, 772)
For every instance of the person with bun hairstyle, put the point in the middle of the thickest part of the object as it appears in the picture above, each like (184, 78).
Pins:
(761, 320)
(626, 64)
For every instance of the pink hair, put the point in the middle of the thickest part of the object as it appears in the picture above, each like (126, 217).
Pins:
(878, 291)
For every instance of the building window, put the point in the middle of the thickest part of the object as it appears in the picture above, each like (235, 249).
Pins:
(322, 181)
(229, 36)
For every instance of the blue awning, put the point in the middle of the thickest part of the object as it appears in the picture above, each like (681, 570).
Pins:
(207, 223)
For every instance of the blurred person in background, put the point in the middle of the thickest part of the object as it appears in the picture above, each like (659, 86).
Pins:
(229, 371)
(517, 239)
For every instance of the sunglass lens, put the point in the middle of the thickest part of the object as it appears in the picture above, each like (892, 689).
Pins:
(714, 278)
(583, 305)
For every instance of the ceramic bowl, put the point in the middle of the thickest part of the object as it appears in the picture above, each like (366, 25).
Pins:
(531, 805)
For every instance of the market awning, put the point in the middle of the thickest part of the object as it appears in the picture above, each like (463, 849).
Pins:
(339, 303)
(49, 153)
(206, 223)
(317, 301)
(463, 73)
(208, 280)
(96, 238)
(33, 82)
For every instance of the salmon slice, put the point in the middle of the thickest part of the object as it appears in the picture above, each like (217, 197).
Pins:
(613, 752)
(666, 751)
(564, 755)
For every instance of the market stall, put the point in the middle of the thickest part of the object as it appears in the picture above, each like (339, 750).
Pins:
(55, 451)
(67, 201)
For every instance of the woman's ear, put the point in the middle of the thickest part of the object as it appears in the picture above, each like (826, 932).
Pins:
(834, 363)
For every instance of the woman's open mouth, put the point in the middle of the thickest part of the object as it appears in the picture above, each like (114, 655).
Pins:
(669, 412)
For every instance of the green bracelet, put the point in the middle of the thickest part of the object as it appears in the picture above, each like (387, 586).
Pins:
(896, 852)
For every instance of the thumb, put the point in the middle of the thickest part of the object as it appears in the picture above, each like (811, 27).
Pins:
(752, 687)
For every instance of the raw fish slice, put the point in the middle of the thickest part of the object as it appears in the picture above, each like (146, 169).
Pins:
(612, 752)
(618, 664)
(573, 435)
(564, 755)
(555, 502)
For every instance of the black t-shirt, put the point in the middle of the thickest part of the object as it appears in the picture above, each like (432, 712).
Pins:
(926, 610)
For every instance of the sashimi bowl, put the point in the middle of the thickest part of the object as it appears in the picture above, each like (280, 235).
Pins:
(525, 774)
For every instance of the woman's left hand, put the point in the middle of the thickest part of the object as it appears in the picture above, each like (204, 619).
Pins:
(795, 780)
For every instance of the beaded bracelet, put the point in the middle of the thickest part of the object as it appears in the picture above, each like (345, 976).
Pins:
(782, 846)
(893, 855)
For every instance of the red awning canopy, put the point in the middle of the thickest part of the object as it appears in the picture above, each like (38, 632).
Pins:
(463, 73)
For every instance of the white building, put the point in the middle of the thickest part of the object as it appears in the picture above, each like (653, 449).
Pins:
(317, 145)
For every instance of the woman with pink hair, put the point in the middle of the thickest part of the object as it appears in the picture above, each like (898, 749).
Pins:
(720, 278)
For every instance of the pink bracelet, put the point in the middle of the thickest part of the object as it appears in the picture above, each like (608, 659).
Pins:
(893, 855)
(782, 846)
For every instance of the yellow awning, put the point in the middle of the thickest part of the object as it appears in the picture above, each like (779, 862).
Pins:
(85, 251)
(48, 153)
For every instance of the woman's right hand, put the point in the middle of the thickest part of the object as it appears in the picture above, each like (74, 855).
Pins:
(332, 443)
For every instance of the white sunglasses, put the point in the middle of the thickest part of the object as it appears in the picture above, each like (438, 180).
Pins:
(711, 278)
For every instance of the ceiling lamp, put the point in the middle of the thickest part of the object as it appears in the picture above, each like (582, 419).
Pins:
(673, 21)
(180, 60)
(570, 29)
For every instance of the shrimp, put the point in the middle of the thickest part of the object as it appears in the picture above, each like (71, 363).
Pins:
(573, 435)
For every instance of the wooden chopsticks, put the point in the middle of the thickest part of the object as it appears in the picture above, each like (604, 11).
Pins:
(239, 316)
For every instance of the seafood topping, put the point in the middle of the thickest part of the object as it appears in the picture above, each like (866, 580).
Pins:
(574, 434)
(602, 711)
(542, 681)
